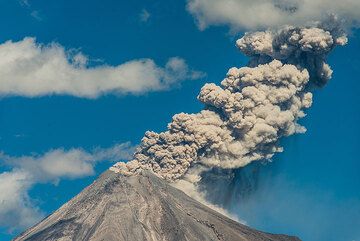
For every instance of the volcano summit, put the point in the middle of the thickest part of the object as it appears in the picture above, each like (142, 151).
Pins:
(139, 207)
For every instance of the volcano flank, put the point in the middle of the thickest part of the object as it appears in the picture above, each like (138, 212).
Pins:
(139, 207)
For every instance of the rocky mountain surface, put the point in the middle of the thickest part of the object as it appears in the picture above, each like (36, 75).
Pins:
(144, 208)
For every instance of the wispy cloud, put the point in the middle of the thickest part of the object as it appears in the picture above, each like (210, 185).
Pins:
(24, 3)
(144, 15)
(17, 209)
(33, 13)
(31, 69)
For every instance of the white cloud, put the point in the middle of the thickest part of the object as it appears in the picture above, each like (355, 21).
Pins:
(55, 164)
(259, 14)
(24, 3)
(17, 209)
(144, 15)
(35, 14)
(31, 69)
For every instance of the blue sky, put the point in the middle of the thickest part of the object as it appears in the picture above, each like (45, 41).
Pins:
(319, 172)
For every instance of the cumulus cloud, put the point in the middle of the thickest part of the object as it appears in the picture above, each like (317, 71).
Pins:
(30, 69)
(17, 209)
(261, 14)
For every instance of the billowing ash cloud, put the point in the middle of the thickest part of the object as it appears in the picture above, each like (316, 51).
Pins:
(254, 107)
(261, 14)
(305, 47)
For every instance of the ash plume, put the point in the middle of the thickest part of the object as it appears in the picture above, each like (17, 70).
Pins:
(245, 117)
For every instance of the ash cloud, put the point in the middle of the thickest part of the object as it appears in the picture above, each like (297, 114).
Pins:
(245, 117)
(269, 198)
(299, 46)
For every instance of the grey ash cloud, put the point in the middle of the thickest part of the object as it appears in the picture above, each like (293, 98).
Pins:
(254, 107)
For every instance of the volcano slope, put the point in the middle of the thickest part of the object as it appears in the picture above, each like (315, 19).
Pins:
(141, 207)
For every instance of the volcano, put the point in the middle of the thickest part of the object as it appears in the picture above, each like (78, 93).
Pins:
(139, 208)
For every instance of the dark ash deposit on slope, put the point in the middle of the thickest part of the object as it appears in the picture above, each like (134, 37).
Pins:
(140, 207)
